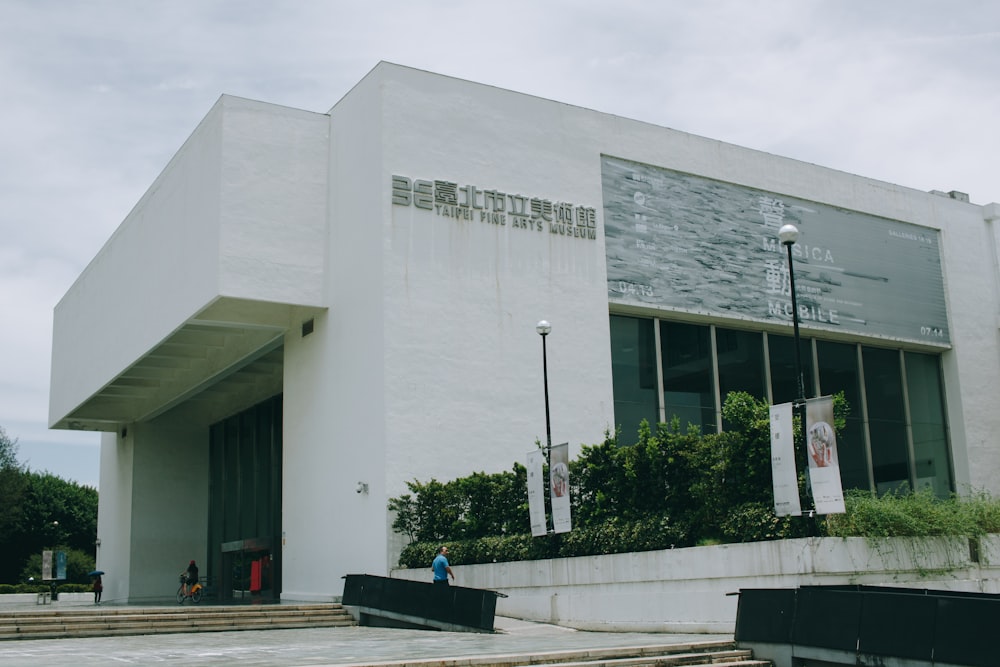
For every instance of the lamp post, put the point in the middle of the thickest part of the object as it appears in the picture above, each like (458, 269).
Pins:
(543, 328)
(789, 234)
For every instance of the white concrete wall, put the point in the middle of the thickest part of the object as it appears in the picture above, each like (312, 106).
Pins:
(153, 515)
(157, 270)
(334, 414)
(688, 590)
(466, 295)
(240, 212)
(169, 505)
(464, 387)
(427, 364)
(273, 203)
(114, 515)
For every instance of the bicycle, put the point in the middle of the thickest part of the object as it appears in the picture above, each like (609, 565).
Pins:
(194, 594)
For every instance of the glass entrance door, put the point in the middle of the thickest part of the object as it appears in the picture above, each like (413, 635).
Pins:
(245, 504)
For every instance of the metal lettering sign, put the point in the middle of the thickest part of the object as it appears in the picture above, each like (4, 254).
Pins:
(689, 244)
(470, 203)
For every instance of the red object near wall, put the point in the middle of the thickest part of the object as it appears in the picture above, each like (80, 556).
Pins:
(255, 576)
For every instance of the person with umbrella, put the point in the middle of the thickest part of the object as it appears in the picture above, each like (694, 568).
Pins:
(98, 585)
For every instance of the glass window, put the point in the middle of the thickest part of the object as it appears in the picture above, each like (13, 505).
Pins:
(229, 477)
(930, 439)
(246, 494)
(688, 384)
(784, 383)
(838, 372)
(633, 370)
(741, 362)
(247, 488)
(886, 419)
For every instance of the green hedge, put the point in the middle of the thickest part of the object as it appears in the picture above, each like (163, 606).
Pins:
(614, 536)
(674, 487)
(919, 514)
(7, 589)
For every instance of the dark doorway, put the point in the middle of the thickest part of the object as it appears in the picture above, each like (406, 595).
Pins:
(245, 505)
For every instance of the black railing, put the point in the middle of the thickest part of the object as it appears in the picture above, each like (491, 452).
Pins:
(420, 604)
(857, 622)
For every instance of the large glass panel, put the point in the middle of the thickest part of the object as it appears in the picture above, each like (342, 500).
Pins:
(784, 380)
(633, 370)
(930, 435)
(741, 362)
(688, 382)
(231, 479)
(838, 372)
(262, 472)
(248, 491)
(886, 419)
(245, 511)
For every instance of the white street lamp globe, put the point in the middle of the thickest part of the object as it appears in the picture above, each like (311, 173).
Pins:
(788, 234)
(543, 328)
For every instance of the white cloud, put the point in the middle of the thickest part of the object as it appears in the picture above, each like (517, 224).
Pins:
(99, 95)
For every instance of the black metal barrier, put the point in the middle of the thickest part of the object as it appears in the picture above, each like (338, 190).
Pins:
(407, 603)
(855, 622)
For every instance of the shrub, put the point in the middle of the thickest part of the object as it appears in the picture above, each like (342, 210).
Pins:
(674, 487)
(919, 514)
(757, 522)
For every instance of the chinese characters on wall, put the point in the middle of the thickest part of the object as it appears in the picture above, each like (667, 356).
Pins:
(471, 203)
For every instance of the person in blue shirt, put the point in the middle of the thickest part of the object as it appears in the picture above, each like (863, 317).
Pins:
(441, 568)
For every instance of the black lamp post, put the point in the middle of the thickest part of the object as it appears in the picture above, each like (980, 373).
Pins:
(789, 234)
(543, 328)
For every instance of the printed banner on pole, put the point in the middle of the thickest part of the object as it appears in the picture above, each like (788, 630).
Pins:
(824, 467)
(536, 492)
(783, 471)
(559, 486)
(46, 565)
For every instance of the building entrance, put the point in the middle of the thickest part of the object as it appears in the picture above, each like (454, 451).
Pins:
(245, 505)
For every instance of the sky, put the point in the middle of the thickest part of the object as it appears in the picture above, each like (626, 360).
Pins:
(98, 95)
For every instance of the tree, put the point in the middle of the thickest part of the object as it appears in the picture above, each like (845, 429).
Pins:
(78, 565)
(8, 451)
(40, 511)
(56, 513)
(12, 487)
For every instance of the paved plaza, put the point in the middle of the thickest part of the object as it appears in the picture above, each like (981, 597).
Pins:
(319, 646)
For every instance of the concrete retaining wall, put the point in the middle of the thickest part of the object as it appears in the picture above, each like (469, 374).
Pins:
(693, 590)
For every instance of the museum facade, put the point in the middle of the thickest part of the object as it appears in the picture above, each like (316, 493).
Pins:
(305, 311)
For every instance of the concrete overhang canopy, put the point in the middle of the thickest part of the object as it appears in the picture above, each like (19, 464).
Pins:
(208, 367)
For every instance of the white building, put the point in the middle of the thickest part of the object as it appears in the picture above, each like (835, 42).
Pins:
(307, 310)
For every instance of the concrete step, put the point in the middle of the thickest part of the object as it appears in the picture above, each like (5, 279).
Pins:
(104, 621)
(723, 653)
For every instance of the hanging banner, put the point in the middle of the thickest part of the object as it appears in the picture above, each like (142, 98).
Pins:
(783, 471)
(559, 486)
(821, 447)
(46, 565)
(536, 492)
